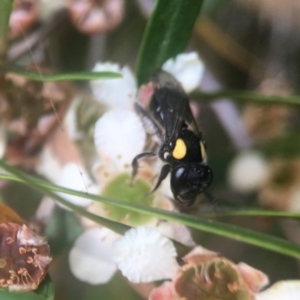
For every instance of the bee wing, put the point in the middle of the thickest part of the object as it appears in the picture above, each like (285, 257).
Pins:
(170, 105)
(150, 125)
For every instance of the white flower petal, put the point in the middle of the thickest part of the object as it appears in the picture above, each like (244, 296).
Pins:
(255, 279)
(90, 258)
(165, 187)
(187, 68)
(143, 254)
(294, 201)
(74, 177)
(70, 120)
(247, 171)
(119, 135)
(177, 232)
(49, 164)
(116, 93)
(2, 140)
(289, 289)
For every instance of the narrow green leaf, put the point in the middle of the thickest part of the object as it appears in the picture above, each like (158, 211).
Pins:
(4, 294)
(34, 75)
(244, 96)
(250, 212)
(45, 291)
(226, 230)
(254, 212)
(5, 10)
(228, 211)
(47, 189)
(166, 35)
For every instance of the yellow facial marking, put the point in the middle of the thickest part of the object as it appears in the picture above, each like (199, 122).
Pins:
(203, 152)
(179, 151)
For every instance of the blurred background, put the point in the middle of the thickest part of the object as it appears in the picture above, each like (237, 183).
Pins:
(250, 50)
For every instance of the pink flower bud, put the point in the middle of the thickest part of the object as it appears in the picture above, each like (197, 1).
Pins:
(24, 14)
(98, 16)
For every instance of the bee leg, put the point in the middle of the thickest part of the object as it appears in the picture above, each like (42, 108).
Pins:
(135, 163)
(165, 170)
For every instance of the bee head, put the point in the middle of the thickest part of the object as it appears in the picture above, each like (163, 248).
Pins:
(190, 180)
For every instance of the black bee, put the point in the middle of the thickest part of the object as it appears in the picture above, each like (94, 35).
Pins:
(181, 148)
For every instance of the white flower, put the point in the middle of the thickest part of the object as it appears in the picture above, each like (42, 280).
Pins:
(289, 289)
(145, 255)
(187, 68)
(248, 171)
(90, 258)
(2, 140)
(119, 136)
(70, 120)
(177, 232)
(49, 165)
(116, 93)
(74, 177)
(294, 201)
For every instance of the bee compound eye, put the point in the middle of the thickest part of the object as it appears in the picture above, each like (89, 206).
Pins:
(178, 176)
(182, 188)
(188, 181)
(180, 171)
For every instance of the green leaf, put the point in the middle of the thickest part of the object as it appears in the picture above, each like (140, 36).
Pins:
(4, 294)
(167, 34)
(5, 10)
(245, 96)
(45, 291)
(47, 189)
(34, 75)
(285, 146)
(253, 212)
(226, 230)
